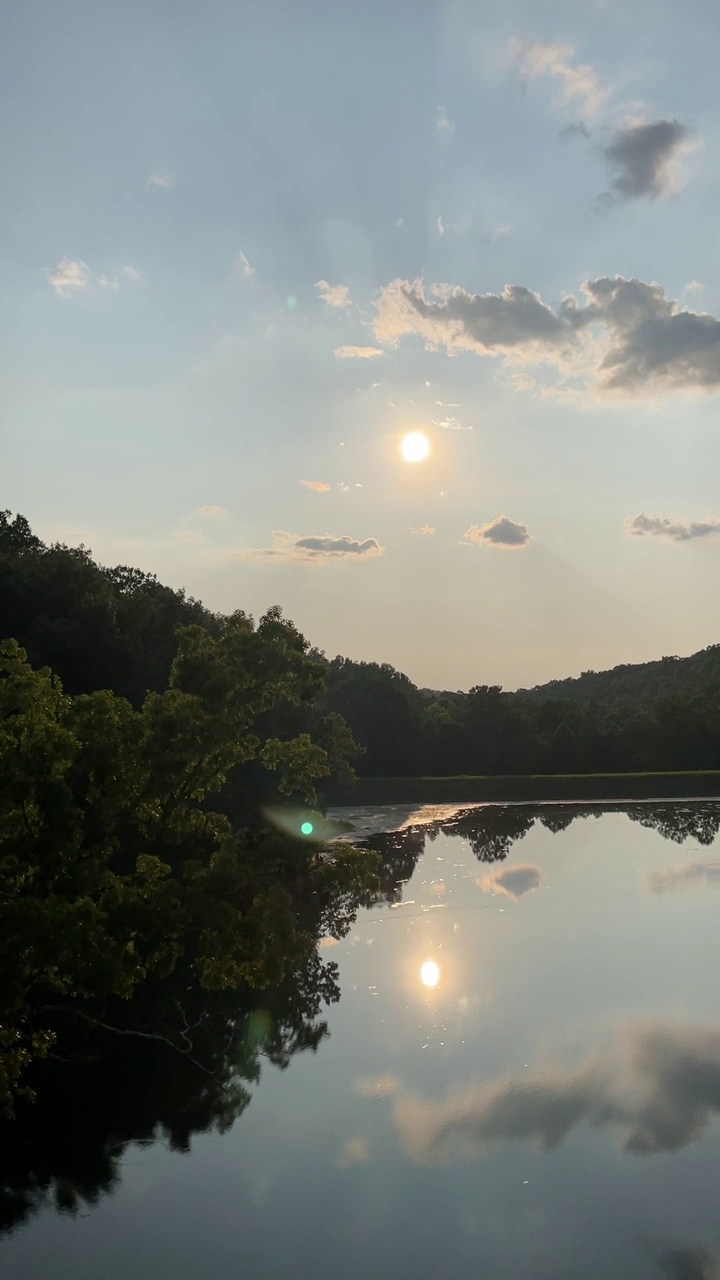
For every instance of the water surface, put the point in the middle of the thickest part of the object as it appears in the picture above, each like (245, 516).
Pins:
(521, 1078)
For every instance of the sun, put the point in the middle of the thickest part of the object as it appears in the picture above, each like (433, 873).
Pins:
(429, 973)
(415, 447)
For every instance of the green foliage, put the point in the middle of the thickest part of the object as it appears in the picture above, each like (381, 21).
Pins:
(114, 869)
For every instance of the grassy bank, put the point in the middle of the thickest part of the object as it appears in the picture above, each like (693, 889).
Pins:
(569, 786)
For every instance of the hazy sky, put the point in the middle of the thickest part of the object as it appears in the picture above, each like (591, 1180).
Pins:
(247, 246)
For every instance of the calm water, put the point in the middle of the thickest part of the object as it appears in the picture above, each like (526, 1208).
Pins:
(543, 1105)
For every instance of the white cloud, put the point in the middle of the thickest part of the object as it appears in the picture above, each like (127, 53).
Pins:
(315, 547)
(335, 295)
(658, 526)
(318, 485)
(161, 178)
(444, 126)
(213, 513)
(67, 276)
(500, 532)
(70, 275)
(357, 353)
(242, 267)
(450, 424)
(580, 87)
(425, 530)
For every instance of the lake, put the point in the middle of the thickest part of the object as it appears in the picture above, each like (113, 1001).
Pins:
(521, 1078)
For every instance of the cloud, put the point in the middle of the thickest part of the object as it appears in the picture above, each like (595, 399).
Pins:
(355, 1151)
(357, 353)
(628, 338)
(657, 526)
(444, 126)
(315, 547)
(450, 424)
(188, 535)
(692, 875)
(213, 513)
(67, 276)
(425, 530)
(335, 295)
(579, 88)
(382, 1086)
(500, 532)
(513, 882)
(441, 228)
(641, 159)
(658, 1085)
(697, 1263)
(318, 485)
(242, 267)
(161, 178)
(70, 275)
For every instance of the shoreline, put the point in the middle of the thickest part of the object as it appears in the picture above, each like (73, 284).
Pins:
(529, 788)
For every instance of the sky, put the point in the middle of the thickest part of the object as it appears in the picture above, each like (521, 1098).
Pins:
(247, 248)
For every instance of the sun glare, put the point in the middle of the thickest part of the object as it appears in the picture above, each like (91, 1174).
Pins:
(429, 974)
(415, 447)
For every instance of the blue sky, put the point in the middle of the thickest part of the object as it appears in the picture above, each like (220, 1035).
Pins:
(247, 246)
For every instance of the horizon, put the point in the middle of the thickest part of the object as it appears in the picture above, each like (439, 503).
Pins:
(282, 243)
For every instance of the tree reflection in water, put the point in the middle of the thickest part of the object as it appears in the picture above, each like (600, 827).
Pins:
(194, 1072)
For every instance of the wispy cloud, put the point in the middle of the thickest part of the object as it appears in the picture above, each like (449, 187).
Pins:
(500, 532)
(318, 485)
(315, 548)
(242, 267)
(450, 424)
(691, 875)
(335, 295)
(656, 526)
(444, 126)
(188, 535)
(161, 178)
(382, 1086)
(579, 85)
(642, 159)
(354, 1151)
(425, 530)
(213, 513)
(71, 275)
(357, 353)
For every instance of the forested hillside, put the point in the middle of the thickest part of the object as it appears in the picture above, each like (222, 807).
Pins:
(635, 684)
(117, 628)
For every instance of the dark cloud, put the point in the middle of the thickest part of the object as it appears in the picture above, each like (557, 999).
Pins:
(691, 1264)
(315, 547)
(578, 130)
(658, 1086)
(656, 526)
(500, 532)
(640, 159)
(513, 882)
(623, 337)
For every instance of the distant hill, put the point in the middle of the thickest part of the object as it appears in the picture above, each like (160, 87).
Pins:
(633, 684)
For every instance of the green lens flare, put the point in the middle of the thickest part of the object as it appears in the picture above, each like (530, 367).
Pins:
(307, 828)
